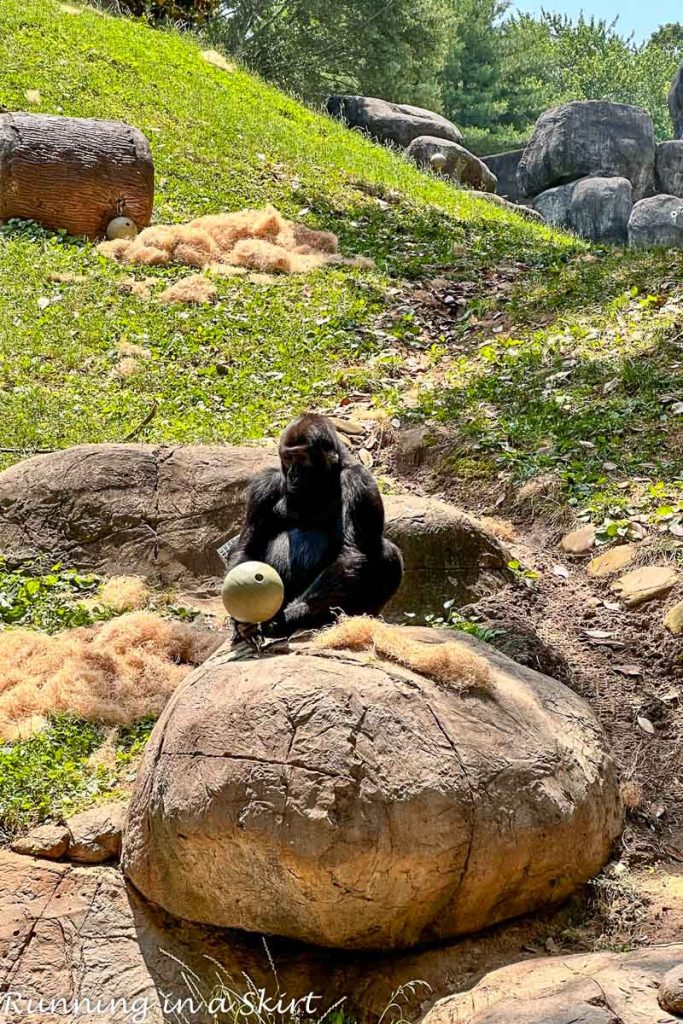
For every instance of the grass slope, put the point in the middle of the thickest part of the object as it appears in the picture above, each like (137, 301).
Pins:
(580, 377)
(221, 141)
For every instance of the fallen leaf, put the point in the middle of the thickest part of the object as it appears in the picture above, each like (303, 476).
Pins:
(646, 725)
(43, 302)
(677, 408)
(561, 570)
(366, 458)
(598, 634)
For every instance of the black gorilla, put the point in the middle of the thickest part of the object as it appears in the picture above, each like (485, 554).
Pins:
(319, 520)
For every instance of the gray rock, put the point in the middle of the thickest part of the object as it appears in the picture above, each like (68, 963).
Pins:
(463, 166)
(504, 166)
(676, 103)
(657, 222)
(555, 205)
(669, 167)
(399, 123)
(589, 138)
(601, 208)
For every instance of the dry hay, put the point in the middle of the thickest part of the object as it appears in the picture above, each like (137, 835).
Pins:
(260, 240)
(195, 289)
(125, 593)
(451, 663)
(112, 674)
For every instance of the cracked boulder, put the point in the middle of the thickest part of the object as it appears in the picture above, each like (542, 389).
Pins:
(342, 800)
(594, 988)
(162, 511)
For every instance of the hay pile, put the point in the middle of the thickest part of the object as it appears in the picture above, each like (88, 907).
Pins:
(261, 240)
(113, 674)
(452, 664)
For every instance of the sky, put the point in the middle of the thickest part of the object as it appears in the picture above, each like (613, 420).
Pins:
(634, 15)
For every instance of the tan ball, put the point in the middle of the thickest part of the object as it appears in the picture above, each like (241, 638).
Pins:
(121, 227)
(437, 162)
(253, 592)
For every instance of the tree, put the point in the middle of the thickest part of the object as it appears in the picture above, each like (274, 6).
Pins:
(391, 48)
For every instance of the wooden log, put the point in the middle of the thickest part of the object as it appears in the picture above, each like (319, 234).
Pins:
(74, 173)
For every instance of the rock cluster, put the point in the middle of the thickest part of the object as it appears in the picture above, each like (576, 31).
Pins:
(594, 167)
(426, 136)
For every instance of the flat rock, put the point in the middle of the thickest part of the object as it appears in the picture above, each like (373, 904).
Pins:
(612, 560)
(270, 798)
(461, 165)
(644, 584)
(95, 834)
(673, 620)
(71, 929)
(594, 988)
(579, 541)
(162, 512)
(48, 841)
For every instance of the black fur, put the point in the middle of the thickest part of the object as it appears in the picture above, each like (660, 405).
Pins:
(319, 520)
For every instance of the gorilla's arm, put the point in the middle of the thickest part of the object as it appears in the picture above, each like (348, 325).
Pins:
(336, 586)
(259, 520)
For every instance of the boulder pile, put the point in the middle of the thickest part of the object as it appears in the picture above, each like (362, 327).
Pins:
(340, 799)
(594, 167)
(423, 134)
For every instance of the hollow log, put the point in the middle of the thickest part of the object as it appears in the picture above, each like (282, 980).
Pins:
(74, 173)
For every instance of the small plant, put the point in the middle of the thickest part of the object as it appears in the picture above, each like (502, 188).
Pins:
(526, 576)
(452, 619)
(29, 596)
(51, 774)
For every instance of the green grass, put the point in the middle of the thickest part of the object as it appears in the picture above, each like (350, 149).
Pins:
(573, 382)
(221, 141)
(48, 776)
(583, 383)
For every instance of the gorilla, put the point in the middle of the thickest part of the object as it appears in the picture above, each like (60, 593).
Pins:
(318, 520)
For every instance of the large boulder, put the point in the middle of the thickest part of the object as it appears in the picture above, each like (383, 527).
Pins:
(657, 221)
(593, 988)
(555, 205)
(504, 167)
(463, 166)
(676, 103)
(669, 168)
(589, 138)
(162, 512)
(398, 123)
(601, 208)
(348, 802)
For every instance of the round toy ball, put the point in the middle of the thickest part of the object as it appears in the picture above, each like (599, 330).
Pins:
(437, 162)
(121, 227)
(253, 592)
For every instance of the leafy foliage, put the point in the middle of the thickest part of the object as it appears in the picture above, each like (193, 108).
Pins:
(49, 775)
(312, 47)
(503, 70)
(29, 596)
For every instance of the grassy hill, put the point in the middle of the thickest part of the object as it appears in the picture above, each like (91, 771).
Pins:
(558, 358)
